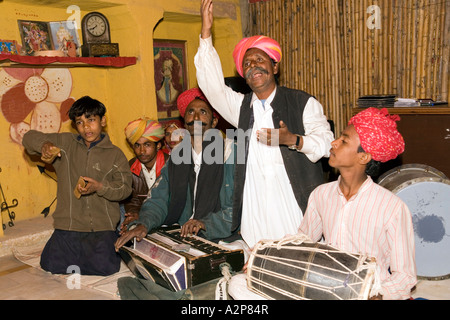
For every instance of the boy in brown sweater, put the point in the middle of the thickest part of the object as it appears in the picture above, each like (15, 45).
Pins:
(85, 220)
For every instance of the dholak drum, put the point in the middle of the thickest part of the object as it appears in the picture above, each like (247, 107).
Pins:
(426, 192)
(298, 269)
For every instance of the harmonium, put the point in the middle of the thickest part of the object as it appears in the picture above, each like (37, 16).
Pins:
(176, 262)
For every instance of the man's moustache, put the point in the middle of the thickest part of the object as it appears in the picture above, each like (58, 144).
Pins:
(192, 123)
(249, 72)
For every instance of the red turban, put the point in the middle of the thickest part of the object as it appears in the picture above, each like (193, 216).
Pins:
(378, 134)
(190, 95)
(269, 46)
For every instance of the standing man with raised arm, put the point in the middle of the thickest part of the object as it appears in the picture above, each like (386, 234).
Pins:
(287, 134)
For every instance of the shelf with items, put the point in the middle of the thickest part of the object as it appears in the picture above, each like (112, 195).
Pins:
(442, 109)
(18, 61)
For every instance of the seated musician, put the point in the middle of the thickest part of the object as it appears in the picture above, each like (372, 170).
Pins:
(356, 215)
(196, 195)
(145, 138)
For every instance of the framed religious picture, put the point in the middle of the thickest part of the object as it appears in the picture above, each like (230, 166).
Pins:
(170, 75)
(8, 47)
(65, 37)
(35, 36)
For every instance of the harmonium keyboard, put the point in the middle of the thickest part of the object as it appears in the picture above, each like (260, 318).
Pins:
(176, 262)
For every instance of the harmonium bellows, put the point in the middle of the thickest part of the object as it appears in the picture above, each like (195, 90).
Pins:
(176, 262)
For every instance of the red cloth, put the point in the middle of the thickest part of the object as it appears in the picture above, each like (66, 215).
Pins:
(378, 134)
(188, 96)
(96, 61)
(136, 167)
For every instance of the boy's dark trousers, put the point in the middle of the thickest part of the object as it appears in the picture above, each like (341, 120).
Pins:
(89, 253)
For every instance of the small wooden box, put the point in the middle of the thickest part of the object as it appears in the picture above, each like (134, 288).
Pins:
(100, 50)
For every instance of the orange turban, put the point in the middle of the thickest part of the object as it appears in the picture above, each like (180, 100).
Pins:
(268, 45)
(150, 129)
(378, 134)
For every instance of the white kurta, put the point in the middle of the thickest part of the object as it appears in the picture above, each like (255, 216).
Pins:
(197, 158)
(270, 210)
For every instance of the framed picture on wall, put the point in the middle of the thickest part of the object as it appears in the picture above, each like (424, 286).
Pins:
(170, 75)
(35, 36)
(65, 35)
(8, 47)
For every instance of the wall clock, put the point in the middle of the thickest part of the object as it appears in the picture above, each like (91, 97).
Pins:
(97, 37)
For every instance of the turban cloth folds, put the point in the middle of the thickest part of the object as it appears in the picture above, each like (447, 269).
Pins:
(144, 127)
(190, 95)
(378, 134)
(268, 45)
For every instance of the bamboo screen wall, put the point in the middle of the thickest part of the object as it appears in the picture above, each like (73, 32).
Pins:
(330, 51)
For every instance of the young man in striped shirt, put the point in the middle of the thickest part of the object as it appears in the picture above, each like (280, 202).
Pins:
(356, 215)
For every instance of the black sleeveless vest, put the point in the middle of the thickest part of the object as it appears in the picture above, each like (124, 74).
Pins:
(288, 105)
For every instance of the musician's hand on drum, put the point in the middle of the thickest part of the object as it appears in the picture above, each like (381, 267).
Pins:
(139, 233)
(129, 217)
(193, 226)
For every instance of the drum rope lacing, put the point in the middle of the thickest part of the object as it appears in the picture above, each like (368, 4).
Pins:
(221, 287)
(297, 240)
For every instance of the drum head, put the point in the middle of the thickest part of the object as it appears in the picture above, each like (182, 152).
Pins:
(397, 176)
(428, 199)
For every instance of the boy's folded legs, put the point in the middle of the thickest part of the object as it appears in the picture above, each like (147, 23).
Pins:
(87, 253)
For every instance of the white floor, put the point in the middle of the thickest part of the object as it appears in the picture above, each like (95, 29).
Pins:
(19, 281)
(22, 282)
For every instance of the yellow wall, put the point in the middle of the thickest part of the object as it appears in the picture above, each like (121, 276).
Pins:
(128, 93)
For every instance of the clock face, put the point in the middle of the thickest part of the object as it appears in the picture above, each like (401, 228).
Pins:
(96, 25)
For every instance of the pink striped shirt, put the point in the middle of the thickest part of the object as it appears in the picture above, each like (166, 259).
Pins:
(374, 222)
